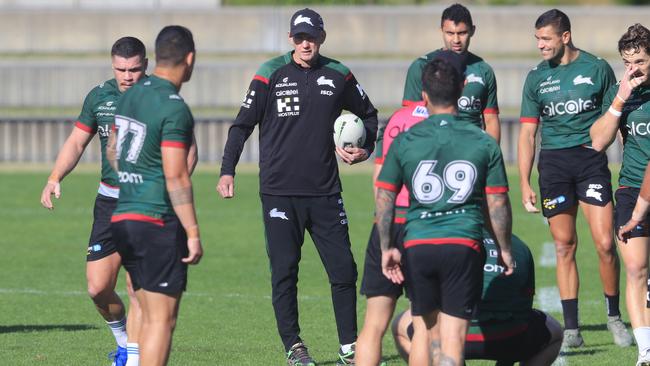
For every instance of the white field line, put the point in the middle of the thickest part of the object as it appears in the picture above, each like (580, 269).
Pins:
(548, 298)
(548, 258)
(36, 292)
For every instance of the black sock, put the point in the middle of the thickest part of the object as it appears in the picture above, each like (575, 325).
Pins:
(612, 305)
(570, 312)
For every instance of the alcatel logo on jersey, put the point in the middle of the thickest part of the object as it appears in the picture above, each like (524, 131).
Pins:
(323, 81)
(288, 107)
(471, 78)
(568, 107)
(103, 130)
(126, 177)
(639, 128)
(582, 80)
(469, 103)
(301, 19)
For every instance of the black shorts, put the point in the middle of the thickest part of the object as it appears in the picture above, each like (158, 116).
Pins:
(374, 283)
(572, 174)
(445, 277)
(152, 254)
(625, 202)
(517, 347)
(101, 242)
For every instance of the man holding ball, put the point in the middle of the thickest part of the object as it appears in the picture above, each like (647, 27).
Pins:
(295, 99)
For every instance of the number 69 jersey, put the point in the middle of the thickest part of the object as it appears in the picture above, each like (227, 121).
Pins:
(447, 166)
(150, 115)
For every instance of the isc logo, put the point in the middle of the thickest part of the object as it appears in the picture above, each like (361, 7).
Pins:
(126, 177)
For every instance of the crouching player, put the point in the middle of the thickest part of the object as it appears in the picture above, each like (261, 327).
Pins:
(505, 326)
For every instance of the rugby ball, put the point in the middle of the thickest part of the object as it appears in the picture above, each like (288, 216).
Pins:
(349, 131)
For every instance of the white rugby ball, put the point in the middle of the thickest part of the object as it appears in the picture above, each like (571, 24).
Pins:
(349, 131)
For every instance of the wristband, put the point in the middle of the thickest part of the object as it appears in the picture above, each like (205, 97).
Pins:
(614, 112)
(621, 99)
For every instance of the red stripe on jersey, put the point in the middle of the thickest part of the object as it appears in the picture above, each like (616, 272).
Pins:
(178, 144)
(494, 110)
(379, 160)
(387, 186)
(262, 79)
(83, 127)
(348, 76)
(137, 217)
(400, 220)
(406, 103)
(109, 186)
(497, 335)
(528, 119)
(114, 128)
(495, 190)
(437, 241)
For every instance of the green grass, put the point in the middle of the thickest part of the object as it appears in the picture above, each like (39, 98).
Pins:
(226, 316)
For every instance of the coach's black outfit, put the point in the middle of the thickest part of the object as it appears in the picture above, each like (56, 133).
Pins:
(299, 182)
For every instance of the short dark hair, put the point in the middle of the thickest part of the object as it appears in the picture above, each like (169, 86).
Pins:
(173, 44)
(442, 82)
(556, 18)
(457, 14)
(128, 47)
(636, 38)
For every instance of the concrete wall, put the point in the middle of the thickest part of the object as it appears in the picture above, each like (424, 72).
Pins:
(36, 83)
(390, 31)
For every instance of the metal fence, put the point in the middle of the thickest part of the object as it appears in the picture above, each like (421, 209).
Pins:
(39, 140)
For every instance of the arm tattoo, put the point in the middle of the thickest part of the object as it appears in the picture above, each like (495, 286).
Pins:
(435, 352)
(500, 218)
(446, 361)
(385, 210)
(181, 196)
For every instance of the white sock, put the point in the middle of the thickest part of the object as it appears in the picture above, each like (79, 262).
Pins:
(642, 337)
(345, 348)
(134, 354)
(119, 331)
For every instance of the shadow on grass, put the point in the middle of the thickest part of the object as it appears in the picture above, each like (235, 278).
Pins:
(582, 352)
(601, 327)
(25, 328)
(387, 359)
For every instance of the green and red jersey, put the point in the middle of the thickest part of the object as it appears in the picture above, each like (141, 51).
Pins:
(479, 95)
(97, 115)
(149, 116)
(447, 166)
(506, 301)
(634, 127)
(566, 99)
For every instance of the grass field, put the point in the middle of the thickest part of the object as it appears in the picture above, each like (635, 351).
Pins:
(226, 316)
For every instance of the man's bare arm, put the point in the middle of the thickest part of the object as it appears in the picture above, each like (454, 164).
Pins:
(179, 188)
(67, 159)
(493, 126)
(500, 212)
(111, 150)
(192, 156)
(385, 212)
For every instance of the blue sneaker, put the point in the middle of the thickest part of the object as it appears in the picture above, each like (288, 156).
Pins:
(118, 356)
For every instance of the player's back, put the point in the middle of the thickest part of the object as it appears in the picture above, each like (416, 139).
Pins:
(446, 166)
(149, 116)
